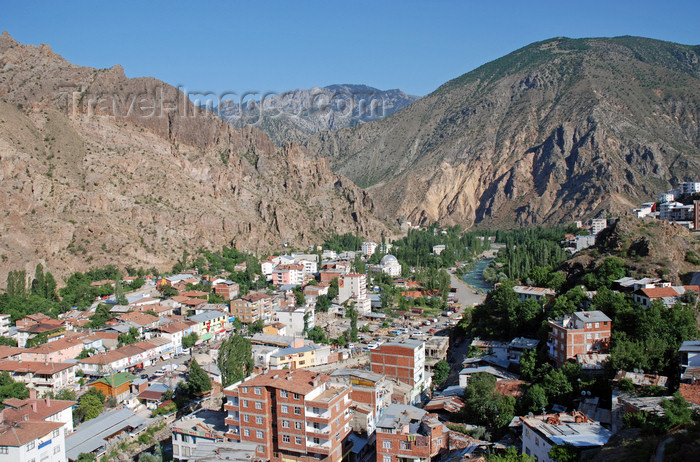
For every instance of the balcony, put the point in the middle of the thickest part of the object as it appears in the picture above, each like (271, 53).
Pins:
(323, 448)
(323, 432)
(317, 413)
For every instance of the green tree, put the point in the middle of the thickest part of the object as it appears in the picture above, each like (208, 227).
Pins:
(11, 389)
(441, 372)
(511, 454)
(256, 326)
(323, 303)
(188, 341)
(317, 335)
(86, 457)
(564, 453)
(90, 404)
(557, 386)
(528, 362)
(351, 313)
(39, 282)
(535, 399)
(235, 359)
(198, 380)
(130, 337)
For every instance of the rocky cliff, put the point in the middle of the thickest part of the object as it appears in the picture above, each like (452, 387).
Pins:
(97, 168)
(296, 115)
(559, 130)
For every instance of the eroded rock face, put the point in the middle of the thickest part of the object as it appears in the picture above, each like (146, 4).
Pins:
(91, 177)
(557, 131)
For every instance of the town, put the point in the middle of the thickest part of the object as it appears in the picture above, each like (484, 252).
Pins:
(351, 350)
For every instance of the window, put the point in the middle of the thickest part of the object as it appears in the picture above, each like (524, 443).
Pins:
(597, 336)
(296, 395)
(386, 444)
(259, 434)
(297, 440)
(260, 448)
(297, 425)
(244, 389)
(285, 409)
(57, 449)
(297, 410)
(246, 418)
(285, 424)
(283, 393)
(386, 459)
(589, 336)
(245, 403)
(3, 450)
(405, 445)
(56, 433)
(30, 445)
(597, 325)
(258, 420)
(258, 391)
(285, 439)
(246, 432)
(258, 405)
(537, 441)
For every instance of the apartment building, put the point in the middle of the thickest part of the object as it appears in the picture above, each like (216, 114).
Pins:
(290, 415)
(409, 433)
(31, 440)
(46, 409)
(371, 394)
(352, 288)
(368, 248)
(403, 360)
(292, 274)
(581, 333)
(201, 427)
(40, 375)
(249, 308)
(597, 225)
(226, 289)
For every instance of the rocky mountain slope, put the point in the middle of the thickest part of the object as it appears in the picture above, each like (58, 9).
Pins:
(296, 115)
(558, 130)
(97, 168)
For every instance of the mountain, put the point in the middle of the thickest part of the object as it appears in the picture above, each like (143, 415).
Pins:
(559, 130)
(97, 168)
(296, 115)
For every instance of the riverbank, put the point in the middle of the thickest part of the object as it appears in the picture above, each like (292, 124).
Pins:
(465, 293)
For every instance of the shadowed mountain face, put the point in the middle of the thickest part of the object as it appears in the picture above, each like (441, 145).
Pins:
(96, 168)
(296, 115)
(559, 130)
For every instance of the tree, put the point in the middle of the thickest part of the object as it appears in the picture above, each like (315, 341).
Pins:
(677, 411)
(317, 335)
(534, 399)
(11, 389)
(351, 313)
(563, 453)
(130, 337)
(235, 359)
(323, 303)
(509, 455)
(198, 380)
(300, 299)
(188, 341)
(333, 289)
(256, 326)
(528, 362)
(441, 372)
(90, 404)
(39, 282)
(86, 457)
(557, 386)
(119, 296)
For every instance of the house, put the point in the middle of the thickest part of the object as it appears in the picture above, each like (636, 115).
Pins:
(45, 330)
(435, 351)
(518, 346)
(535, 293)
(641, 379)
(10, 352)
(153, 395)
(297, 320)
(290, 274)
(46, 409)
(438, 249)
(581, 333)
(500, 374)
(175, 331)
(542, 432)
(41, 376)
(202, 427)
(249, 308)
(669, 295)
(31, 440)
(300, 357)
(117, 385)
(4, 325)
(690, 355)
(403, 360)
(141, 321)
(409, 433)
(352, 288)
(291, 414)
(309, 260)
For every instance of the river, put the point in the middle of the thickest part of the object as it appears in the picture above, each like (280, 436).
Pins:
(475, 279)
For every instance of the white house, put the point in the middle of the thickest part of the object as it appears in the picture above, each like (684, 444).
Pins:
(31, 441)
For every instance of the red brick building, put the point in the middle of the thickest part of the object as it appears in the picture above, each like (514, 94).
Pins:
(290, 415)
(581, 333)
(403, 360)
(408, 433)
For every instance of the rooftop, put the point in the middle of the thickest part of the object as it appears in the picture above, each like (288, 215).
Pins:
(576, 429)
(203, 420)
(23, 432)
(296, 381)
(94, 433)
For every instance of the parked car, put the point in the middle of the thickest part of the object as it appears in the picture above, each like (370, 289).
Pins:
(431, 331)
(372, 346)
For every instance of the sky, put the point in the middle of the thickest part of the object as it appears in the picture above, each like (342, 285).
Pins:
(262, 46)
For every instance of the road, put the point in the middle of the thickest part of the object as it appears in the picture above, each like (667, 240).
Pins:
(465, 293)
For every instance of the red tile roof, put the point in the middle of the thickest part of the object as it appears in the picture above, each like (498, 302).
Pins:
(35, 367)
(690, 393)
(659, 292)
(23, 432)
(295, 381)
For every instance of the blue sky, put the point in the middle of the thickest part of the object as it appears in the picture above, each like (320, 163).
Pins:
(283, 45)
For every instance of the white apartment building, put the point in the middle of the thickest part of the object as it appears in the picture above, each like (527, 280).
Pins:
(690, 188)
(368, 248)
(598, 224)
(353, 289)
(4, 324)
(32, 441)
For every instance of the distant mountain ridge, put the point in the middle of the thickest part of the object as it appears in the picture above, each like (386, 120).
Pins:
(97, 168)
(558, 130)
(296, 115)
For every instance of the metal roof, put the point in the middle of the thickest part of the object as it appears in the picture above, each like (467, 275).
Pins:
(91, 435)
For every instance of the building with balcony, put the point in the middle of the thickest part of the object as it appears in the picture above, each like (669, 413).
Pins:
(201, 427)
(41, 376)
(352, 288)
(581, 333)
(403, 360)
(371, 394)
(368, 248)
(409, 433)
(31, 440)
(290, 415)
(249, 308)
(47, 409)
